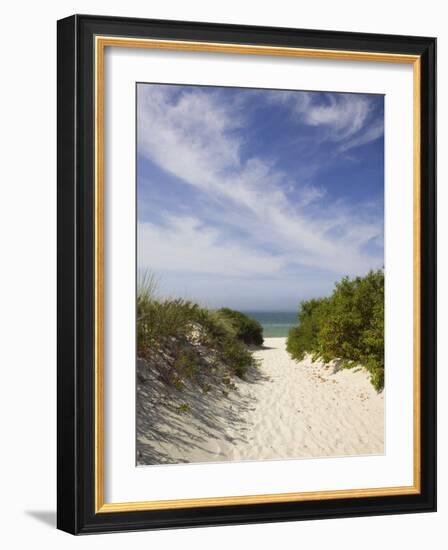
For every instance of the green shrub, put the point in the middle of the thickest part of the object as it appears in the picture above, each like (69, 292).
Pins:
(246, 329)
(237, 357)
(348, 326)
(178, 334)
(304, 338)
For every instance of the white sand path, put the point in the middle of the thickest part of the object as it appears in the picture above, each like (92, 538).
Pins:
(291, 410)
(308, 410)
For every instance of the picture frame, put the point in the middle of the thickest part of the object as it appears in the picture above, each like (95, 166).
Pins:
(82, 193)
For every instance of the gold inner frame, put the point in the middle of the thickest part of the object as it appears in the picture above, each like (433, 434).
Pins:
(101, 42)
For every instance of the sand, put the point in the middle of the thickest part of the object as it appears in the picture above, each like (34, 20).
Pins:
(284, 410)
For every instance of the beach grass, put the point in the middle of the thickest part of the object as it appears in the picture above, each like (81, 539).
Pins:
(180, 339)
(204, 381)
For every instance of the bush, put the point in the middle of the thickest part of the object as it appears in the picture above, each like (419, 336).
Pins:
(304, 338)
(177, 334)
(348, 326)
(246, 329)
(237, 357)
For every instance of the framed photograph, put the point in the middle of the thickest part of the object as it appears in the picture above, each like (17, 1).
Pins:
(246, 274)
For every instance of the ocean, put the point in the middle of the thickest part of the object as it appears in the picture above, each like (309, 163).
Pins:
(275, 323)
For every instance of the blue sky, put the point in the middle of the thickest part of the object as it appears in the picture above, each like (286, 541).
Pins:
(257, 199)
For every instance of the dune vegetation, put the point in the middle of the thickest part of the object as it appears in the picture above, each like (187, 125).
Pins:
(346, 327)
(190, 360)
(208, 390)
(246, 329)
(184, 341)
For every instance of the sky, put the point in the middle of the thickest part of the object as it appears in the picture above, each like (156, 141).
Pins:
(257, 199)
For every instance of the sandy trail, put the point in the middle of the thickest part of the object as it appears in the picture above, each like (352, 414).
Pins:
(287, 410)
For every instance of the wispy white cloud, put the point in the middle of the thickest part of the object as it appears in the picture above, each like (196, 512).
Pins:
(195, 137)
(187, 244)
(373, 131)
(348, 118)
(310, 194)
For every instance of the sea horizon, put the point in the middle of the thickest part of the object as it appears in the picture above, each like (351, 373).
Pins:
(276, 324)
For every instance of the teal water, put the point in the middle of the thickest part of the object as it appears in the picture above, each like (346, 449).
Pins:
(275, 323)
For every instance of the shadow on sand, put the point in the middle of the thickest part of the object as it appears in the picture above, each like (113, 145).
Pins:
(172, 423)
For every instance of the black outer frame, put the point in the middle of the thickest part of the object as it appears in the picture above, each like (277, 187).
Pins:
(75, 402)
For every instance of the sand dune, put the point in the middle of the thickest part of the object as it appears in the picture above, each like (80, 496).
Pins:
(284, 410)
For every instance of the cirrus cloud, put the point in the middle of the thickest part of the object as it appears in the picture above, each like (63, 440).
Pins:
(253, 217)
